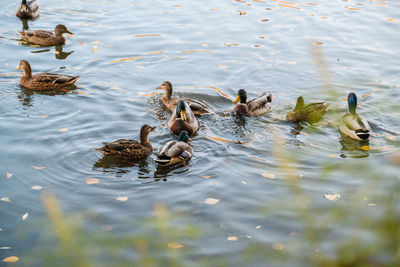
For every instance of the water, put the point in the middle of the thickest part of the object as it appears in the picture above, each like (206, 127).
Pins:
(319, 50)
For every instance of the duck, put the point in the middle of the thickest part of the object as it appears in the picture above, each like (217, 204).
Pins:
(28, 10)
(128, 149)
(255, 107)
(197, 107)
(44, 81)
(183, 119)
(46, 38)
(310, 113)
(175, 151)
(352, 124)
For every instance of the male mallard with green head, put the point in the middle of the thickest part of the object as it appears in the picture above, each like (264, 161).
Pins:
(254, 107)
(352, 124)
(196, 106)
(175, 151)
(129, 149)
(28, 10)
(46, 38)
(310, 113)
(183, 119)
(44, 81)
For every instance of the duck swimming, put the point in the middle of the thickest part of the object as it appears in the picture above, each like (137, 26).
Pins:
(352, 124)
(175, 151)
(46, 38)
(28, 10)
(197, 107)
(128, 149)
(44, 81)
(254, 107)
(310, 113)
(183, 119)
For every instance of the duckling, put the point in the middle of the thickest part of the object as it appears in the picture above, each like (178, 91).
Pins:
(44, 81)
(174, 152)
(183, 119)
(254, 107)
(28, 10)
(46, 38)
(352, 124)
(310, 113)
(196, 106)
(129, 149)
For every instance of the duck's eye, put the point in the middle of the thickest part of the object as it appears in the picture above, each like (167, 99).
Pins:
(269, 98)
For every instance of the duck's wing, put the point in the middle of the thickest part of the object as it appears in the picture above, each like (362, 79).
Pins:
(33, 6)
(39, 34)
(260, 104)
(56, 79)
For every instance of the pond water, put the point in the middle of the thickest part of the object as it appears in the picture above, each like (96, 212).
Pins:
(257, 190)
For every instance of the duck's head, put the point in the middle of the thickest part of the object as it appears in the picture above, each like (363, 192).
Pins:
(352, 101)
(299, 103)
(24, 7)
(242, 97)
(166, 86)
(146, 129)
(184, 136)
(60, 29)
(25, 66)
(181, 110)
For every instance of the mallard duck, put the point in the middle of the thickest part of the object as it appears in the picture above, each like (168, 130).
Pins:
(352, 124)
(46, 38)
(174, 152)
(28, 10)
(44, 81)
(254, 107)
(129, 149)
(183, 119)
(196, 106)
(310, 113)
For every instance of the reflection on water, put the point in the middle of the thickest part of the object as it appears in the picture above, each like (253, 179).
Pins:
(353, 148)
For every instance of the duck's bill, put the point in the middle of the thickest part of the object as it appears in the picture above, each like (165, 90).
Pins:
(183, 115)
(153, 129)
(23, 8)
(237, 99)
(67, 31)
(190, 139)
(18, 68)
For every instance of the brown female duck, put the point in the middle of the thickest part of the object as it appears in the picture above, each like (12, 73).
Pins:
(44, 81)
(310, 113)
(183, 119)
(196, 106)
(28, 10)
(46, 38)
(129, 149)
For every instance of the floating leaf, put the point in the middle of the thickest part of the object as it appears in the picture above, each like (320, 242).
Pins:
(232, 238)
(44, 116)
(367, 95)
(37, 187)
(366, 148)
(124, 59)
(94, 49)
(96, 43)
(206, 177)
(318, 43)
(258, 227)
(278, 246)
(149, 94)
(332, 196)
(175, 245)
(211, 201)
(93, 181)
(283, 5)
(11, 259)
(391, 20)
(156, 52)
(264, 20)
(292, 63)
(9, 175)
(25, 216)
(123, 199)
(146, 35)
(222, 66)
(38, 167)
(213, 9)
(204, 44)
(352, 8)
(268, 175)
(230, 44)
(257, 158)
(5, 247)
(244, 182)
(249, 236)
(371, 204)
(197, 51)
(5, 199)
(63, 130)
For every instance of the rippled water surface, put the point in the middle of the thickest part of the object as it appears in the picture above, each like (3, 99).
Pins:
(263, 171)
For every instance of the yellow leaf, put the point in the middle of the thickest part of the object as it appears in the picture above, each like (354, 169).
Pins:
(231, 44)
(232, 238)
(63, 130)
(124, 59)
(392, 20)
(149, 94)
(123, 199)
(11, 259)
(332, 155)
(268, 175)
(223, 66)
(366, 148)
(146, 35)
(278, 246)
(156, 52)
(197, 51)
(257, 158)
(218, 139)
(206, 177)
(204, 44)
(96, 42)
(9, 175)
(37, 187)
(213, 9)
(292, 63)
(175, 245)
(44, 116)
(38, 167)
(367, 95)
(10, 74)
(318, 43)
(332, 197)
(5, 199)
(94, 50)
(371, 204)
(93, 181)
(211, 201)
(25, 216)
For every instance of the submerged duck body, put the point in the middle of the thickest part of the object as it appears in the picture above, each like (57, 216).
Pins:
(128, 149)
(254, 107)
(175, 151)
(352, 124)
(183, 119)
(44, 81)
(28, 9)
(46, 38)
(310, 113)
(197, 107)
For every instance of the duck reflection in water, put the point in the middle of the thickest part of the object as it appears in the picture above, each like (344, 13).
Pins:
(112, 164)
(58, 52)
(352, 148)
(162, 172)
(26, 95)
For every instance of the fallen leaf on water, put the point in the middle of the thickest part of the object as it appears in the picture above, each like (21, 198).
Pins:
(264, 20)
(149, 94)
(11, 259)
(257, 158)
(278, 246)
(123, 199)
(211, 201)
(392, 20)
(5, 247)
(37, 187)
(175, 245)
(9, 175)
(197, 51)
(371, 204)
(231, 44)
(94, 49)
(5, 199)
(10, 74)
(295, 7)
(332, 196)
(146, 35)
(318, 43)
(204, 44)
(206, 177)
(92, 180)
(44, 116)
(25, 216)
(96, 43)
(292, 63)
(218, 139)
(244, 182)
(352, 8)
(222, 66)
(232, 238)
(213, 9)
(38, 167)
(63, 130)
(156, 52)
(258, 227)
(367, 95)
(268, 175)
(332, 155)
(124, 59)
(366, 148)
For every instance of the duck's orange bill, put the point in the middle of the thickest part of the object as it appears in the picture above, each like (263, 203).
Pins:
(237, 99)
(183, 116)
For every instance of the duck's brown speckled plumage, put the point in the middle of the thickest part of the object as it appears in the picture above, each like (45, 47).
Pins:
(44, 81)
(46, 38)
(129, 149)
(310, 113)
